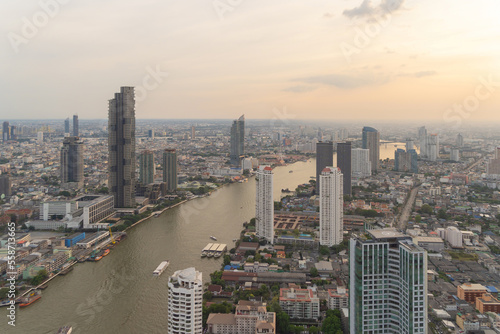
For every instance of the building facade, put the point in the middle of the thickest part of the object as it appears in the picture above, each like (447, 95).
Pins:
(121, 143)
(76, 130)
(5, 131)
(361, 164)
(147, 167)
(406, 161)
(264, 204)
(388, 284)
(170, 169)
(324, 158)
(185, 302)
(344, 162)
(371, 141)
(5, 185)
(331, 207)
(237, 141)
(300, 303)
(72, 163)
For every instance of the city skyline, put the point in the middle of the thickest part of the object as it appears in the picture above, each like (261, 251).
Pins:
(315, 60)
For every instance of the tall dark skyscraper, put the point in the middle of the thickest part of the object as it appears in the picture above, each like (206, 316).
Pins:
(146, 167)
(72, 163)
(170, 169)
(5, 185)
(121, 145)
(5, 131)
(344, 163)
(66, 125)
(237, 140)
(371, 141)
(13, 132)
(324, 158)
(76, 132)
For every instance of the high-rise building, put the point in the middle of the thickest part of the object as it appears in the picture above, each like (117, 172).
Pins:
(5, 131)
(151, 133)
(76, 131)
(185, 302)
(388, 284)
(72, 163)
(409, 144)
(121, 144)
(193, 132)
(371, 141)
(406, 161)
(361, 165)
(66, 127)
(455, 154)
(324, 158)
(432, 147)
(237, 141)
(5, 186)
(39, 137)
(422, 137)
(460, 140)
(264, 204)
(170, 169)
(13, 132)
(344, 162)
(146, 167)
(331, 207)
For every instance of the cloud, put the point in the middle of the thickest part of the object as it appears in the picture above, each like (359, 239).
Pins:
(367, 9)
(345, 81)
(328, 15)
(419, 74)
(300, 89)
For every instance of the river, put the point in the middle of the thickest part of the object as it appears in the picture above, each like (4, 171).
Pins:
(119, 293)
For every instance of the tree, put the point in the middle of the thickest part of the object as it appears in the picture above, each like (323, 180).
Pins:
(65, 193)
(314, 272)
(227, 260)
(418, 218)
(313, 329)
(427, 209)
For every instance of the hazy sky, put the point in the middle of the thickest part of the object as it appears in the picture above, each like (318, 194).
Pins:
(336, 59)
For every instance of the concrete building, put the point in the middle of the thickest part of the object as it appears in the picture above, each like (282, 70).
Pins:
(469, 292)
(72, 163)
(147, 167)
(388, 280)
(249, 318)
(5, 131)
(300, 303)
(185, 302)
(264, 204)
(121, 142)
(361, 164)
(338, 298)
(95, 208)
(331, 207)
(344, 162)
(76, 130)
(455, 155)
(454, 237)
(170, 169)
(371, 141)
(432, 147)
(422, 136)
(435, 244)
(460, 140)
(66, 127)
(237, 141)
(39, 137)
(406, 161)
(487, 303)
(324, 158)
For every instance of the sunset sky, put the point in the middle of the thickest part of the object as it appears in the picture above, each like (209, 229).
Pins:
(316, 59)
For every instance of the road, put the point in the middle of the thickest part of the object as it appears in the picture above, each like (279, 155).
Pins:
(405, 214)
(474, 164)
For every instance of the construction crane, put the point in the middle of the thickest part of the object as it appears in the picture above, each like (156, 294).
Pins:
(111, 235)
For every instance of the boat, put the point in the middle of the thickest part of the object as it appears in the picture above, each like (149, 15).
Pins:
(65, 270)
(161, 268)
(290, 171)
(106, 252)
(5, 303)
(32, 297)
(217, 254)
(65, 330)
(203, 254)
(213, 238)
(98, 258)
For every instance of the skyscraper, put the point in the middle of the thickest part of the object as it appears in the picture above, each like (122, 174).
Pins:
(264, 204)
(146, 167)
(324, 158)
(237, 140)
(406, 161)
(361, 165)
(344, 161)
(371, 141)
(5, 131)
(193, 132)
(460, 140)
(170, 169)
(121, 144)
(5, 185)
(72, 163)
(432, 148)
(185, 302)
(331, 207)
(66, 126)
(422, 137)
(388, 284)
(76, 131)
(151, 133)
(409, 144)
(13, 132)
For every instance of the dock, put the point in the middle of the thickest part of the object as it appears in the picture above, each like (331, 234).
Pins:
(214, 250)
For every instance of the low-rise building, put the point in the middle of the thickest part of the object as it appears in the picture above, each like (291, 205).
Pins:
(487, 303)
(469, 292)
(338, 298)
(300, 303)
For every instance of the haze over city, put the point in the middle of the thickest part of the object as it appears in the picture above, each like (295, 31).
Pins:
(210, 59)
